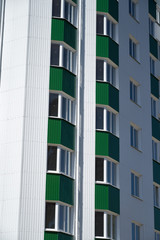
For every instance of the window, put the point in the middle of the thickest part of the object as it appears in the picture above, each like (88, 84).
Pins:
(134, 87)
(155, 150)
(156, 235)
(106, 171)
(151, 27)
(59, 217)
(60, 161)
(133, 8)
(106, 72)
(158, 14)
(64, 9)
(63, 57)
(61, 107)
(105, 225)
(133, 48)
(135, 137)
(153, 107)
(156, 195)
(152, 66)
(135, 185)
(135, 231)
(105, 120)
(105, 26)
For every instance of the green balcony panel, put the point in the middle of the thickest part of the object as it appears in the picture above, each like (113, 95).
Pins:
(107, 145)
(152, 8)
(62, 80)
(153, 46)
(61, 132)
(59, 188)
(107, 198)
(156, 172)
(57, 236)
(75, 1)
(107, 94)
(62, 30)
(157, 218)
(155, 86)
(108, 6)
(156, 128)
(107, 48)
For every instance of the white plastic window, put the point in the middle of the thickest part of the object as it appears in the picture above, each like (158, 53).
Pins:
(133, 8)
(156, 195)
(157, 235)
(152, 66)
(153, 107)
(155, 152)
(134, 92)
(135, 137)
(135, 185)
(151, 27)
(135, 231)
(133, 49)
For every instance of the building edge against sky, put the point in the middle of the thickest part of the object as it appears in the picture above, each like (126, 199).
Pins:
(79, 120)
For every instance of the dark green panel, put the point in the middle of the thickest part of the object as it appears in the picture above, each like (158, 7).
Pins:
(153, 46)
(107, 94)
(75, 1)
(107, 198)
(61, 132)
(155, 86)
(155, 128)
(157, 218)
(62, 30)
(57, 236)
(62, 80)
(156, 172)
(108, 6)
(107, 145)
(59, 188)
(107, 48)
(152, 8)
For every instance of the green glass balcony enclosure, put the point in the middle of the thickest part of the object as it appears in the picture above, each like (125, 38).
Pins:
(108, 6)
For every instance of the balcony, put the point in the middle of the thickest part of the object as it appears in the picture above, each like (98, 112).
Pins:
(152, 8)
(57, 236)
(108, 6)
(157, 218)
(59, 188)
(153, 46)
(63, 31)
(155, 128)
(107, 145)
(61, 132)
(155, 86)
(107, 198)
(156, 172)
(62, 80)
(107, 48)
(106, 94)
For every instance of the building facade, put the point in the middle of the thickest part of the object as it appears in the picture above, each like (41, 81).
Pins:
(79, 120)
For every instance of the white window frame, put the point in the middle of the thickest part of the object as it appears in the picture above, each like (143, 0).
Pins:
(155, 149)
(136, 182)
(156, 195)
(135, 136)
(106, 163)
(71, 58)
(137, 227)
(158, 14)
(69, 210)
(70, 108)
(151, 27)
(111, 125)
(156, 235)
(152, 66)
(134, 91)
(154, 106)
(133, 8)
(134, 48)
(105, 225)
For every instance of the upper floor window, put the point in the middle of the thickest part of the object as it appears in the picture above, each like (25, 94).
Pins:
(105, 225)
(156, 235)
(152, 66)
(135, 184)
(153, 107)
(134, 91)
(106, 171)
(106, 27)
(135, 231)
(151, 27)
(155, 150)
(158, 15)
(133, 11)
(61, 107)
(135, 136)
(156, 193)
(105, 120)
(106, 72)
(133, 49)
(59, 217)
(63, 57)
(60, 161)
(64, 9)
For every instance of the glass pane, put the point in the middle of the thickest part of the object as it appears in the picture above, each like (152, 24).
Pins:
(133, 231)
(108, 73)
(114, 227)
(108, 28)
(66, 218)
(61, 217)
(130, 6)
(114, 174)
(99, 224)
(108, 171)
(99, 118)
(50, 215)
(99, 70)
(56, 8)
(108, 225)
(65, 57)
(113, 123)
(113, 76)
(100, 24)
(52, 158)
(64, 107)
(70, 220)
(132, 183)
(137, 186)
(131, 135)
(54, 54)
(63, 161)
(66, 10)
(137, 232)
(131, 84)
(108, 121)
(53, 104)
(99, 169)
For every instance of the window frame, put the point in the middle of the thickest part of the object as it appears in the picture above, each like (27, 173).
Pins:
(152, 66)
(134, 48)
(156, 195)
(153, 106)
(136, 185)
(68, 161)
(151, 27)
(155, 235)
(135, 137)
(135, 227)
(134, 91)
(133, 9)
(155, 150)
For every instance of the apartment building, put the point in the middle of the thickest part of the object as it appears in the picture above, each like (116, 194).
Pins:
(79, 119)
